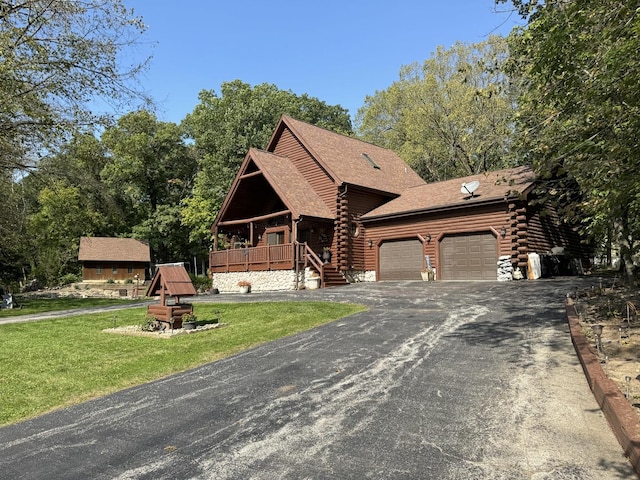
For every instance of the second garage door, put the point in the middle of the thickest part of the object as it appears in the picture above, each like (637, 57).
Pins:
(469, 257)
(401, 260)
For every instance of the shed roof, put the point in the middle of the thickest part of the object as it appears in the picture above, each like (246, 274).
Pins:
(349, 160)
(174, 279)
(110, 249)
(494, 186)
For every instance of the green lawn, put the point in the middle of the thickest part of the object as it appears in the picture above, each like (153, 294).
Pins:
(31, 306)
(54, 363)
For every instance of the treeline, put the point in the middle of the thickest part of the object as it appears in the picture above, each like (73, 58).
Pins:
(559, 93)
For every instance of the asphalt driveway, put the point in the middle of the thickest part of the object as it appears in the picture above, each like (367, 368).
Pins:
(435, 381)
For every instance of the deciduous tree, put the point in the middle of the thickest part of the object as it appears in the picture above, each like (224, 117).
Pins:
(58, 60)
(579, 112)
(150, 171)
(450, 116)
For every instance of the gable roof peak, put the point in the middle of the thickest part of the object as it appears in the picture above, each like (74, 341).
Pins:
(350, 160)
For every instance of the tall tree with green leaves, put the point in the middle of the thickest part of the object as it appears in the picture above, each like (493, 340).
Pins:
(13, 249)
(54, 231)
(225, 127)
(58, 60)
(150, 172)
(579, 112)
(64, 200)
(450, 116)
(79, 164)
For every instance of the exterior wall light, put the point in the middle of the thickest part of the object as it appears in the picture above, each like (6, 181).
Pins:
(370, 243)
(428, 238)
(503, 232)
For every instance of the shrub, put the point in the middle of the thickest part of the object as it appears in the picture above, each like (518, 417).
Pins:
(200, 282)
(149, 324)
(67, 279)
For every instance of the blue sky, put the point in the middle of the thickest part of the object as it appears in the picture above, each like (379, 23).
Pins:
(337, 51)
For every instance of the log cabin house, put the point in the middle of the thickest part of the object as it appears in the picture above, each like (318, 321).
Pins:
(317, 203)
(117, 259)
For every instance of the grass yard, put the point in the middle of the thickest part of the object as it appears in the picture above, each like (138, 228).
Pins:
(56, 363)
(32, 306)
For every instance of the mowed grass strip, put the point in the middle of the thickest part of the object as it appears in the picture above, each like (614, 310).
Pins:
(56, 363)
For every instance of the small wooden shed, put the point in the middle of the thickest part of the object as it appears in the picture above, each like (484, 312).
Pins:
(110, 258)
(170, 280)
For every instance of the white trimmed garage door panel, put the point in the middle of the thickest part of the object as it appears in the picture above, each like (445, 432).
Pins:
(472, 256)
(401, 260)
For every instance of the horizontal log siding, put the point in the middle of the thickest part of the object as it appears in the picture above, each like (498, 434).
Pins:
(437, 225)
(547, 231)
(361, 202)
(289, 146)
(90, 271)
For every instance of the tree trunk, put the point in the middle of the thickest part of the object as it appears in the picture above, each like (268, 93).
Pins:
(626, 248)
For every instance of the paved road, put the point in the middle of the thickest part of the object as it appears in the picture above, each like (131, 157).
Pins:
(66, 313)
(435, 381)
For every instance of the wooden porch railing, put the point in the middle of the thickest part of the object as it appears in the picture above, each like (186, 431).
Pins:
(311, 257)
(270, 257)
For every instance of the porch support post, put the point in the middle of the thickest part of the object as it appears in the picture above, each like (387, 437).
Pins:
(294, 249)
(251, 225)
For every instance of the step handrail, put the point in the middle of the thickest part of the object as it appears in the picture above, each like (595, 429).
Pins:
(311, 257)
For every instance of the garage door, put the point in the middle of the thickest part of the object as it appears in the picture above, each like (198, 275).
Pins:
(401, 260)
(469, 257)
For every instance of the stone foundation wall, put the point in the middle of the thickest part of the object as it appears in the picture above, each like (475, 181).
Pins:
(262, 281)
(278, 280)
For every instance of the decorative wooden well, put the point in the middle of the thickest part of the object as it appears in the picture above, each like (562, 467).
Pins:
(171, 282)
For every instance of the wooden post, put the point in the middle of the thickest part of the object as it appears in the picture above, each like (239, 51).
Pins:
(162, 294)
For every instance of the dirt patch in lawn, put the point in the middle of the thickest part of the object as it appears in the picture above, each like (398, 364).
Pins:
(616, 309)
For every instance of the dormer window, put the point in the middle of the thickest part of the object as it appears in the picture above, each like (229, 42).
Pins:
(371, 162)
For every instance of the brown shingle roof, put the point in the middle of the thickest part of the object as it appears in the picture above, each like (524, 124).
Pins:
(346, 158)
(493, 186)
(108, 249)
(290, 185)
(174, 278)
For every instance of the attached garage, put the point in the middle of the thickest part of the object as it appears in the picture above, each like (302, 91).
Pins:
(401, 260)
(464, 226)
(471, 256)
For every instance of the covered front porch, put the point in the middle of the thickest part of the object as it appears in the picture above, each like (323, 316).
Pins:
(276, 242)
(273, 223)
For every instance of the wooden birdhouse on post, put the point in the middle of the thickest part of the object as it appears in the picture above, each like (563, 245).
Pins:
(170, 280)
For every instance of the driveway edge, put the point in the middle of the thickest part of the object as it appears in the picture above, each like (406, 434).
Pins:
(619, 413)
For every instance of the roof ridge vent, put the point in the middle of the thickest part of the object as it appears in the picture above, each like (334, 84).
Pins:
(370, 160)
